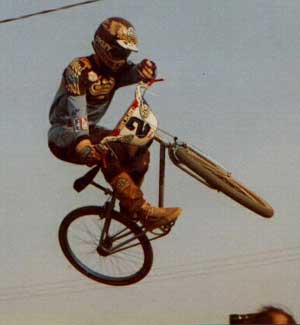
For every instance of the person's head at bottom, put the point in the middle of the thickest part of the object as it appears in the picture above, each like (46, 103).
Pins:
(265, 315)
(273, 315)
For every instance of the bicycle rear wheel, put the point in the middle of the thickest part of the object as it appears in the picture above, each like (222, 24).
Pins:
(125, 258)
(221, 180)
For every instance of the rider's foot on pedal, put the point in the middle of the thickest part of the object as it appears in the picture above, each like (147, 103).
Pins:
(154, 217)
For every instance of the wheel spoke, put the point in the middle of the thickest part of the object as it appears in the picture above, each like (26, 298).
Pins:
(216, 177)
(131, 254)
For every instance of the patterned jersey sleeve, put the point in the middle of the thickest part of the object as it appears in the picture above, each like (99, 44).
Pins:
(75, 81)
(75, 76)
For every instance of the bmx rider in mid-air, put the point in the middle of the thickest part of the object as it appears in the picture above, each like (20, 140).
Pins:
(84, 95)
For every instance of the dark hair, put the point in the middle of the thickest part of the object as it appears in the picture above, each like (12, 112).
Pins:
(266, 314)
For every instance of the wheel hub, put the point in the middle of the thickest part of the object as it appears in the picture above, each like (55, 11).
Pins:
(105, 248)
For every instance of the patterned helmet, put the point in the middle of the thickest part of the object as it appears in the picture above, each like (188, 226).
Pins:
(114, 40)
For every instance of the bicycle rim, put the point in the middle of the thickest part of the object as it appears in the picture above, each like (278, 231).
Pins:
(221, 180)
(79, 236)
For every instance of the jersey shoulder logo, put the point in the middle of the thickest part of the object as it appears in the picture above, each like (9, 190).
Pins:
(73, 75)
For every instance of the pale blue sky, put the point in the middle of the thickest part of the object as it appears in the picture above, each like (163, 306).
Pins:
(232, 72)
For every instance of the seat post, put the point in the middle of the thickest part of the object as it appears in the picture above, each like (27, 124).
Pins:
(162, 164)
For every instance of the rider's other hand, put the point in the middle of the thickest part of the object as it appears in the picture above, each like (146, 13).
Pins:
(100, 149)
(146, 70)
(89, 154)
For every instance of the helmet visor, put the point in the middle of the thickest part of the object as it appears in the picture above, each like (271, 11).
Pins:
(129, 44)
(117, 52)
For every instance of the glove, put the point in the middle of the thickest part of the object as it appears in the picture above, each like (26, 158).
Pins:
(146, 70)
(90, 154)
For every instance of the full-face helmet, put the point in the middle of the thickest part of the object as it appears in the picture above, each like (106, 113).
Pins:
(113, 41)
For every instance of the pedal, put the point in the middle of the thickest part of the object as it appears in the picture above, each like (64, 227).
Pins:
(168, 227)
(163, 230)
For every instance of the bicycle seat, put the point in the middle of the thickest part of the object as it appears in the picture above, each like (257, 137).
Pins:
(82, 182)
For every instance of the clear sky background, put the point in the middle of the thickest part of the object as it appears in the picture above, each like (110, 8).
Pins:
(232, 72)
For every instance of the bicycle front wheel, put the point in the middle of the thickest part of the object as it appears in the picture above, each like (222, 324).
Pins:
(221, 180)
(124, 258)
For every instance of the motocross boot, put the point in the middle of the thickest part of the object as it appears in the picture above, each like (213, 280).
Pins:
(154, 217)
(131, 198)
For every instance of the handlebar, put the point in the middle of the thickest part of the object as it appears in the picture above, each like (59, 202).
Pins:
(155, 80)
(143, 86)
(151, 82)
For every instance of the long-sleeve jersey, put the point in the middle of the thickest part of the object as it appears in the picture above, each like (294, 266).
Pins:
(85, 92)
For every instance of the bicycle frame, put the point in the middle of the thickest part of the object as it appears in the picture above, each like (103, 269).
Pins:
(87, 179)
(120, 231)
(110, 203)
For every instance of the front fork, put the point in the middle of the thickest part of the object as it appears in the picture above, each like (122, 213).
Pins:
(109, 205)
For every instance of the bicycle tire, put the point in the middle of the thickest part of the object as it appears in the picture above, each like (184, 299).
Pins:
(65, 234)
(221, 180)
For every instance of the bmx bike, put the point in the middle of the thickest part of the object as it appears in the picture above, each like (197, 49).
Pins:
(115, 249)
